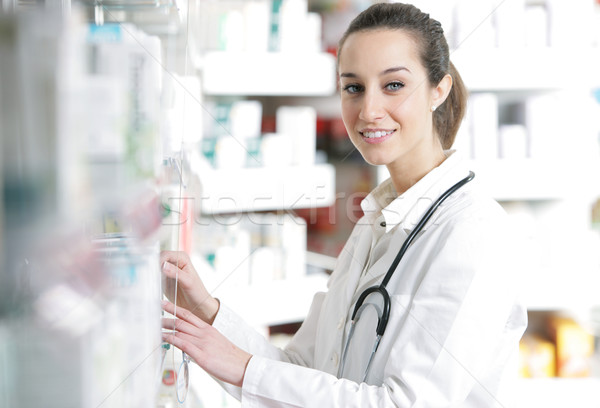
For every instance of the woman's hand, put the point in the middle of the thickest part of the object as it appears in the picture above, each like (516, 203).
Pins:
(205, 345)
(191, 292)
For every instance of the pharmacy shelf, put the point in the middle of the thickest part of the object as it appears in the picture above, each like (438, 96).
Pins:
(537, 179)
(526, 69)
(524, 179)
(276, 302)
(559, 393)
(268, 74)
(267, 188)
(573, 290)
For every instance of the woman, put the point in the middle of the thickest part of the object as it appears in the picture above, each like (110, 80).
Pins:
(455, 322)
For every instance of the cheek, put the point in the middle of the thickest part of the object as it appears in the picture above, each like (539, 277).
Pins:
(407, 111)
(401, 105)
(349, 116)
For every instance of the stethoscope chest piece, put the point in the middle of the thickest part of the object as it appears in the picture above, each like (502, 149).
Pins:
(380, 290)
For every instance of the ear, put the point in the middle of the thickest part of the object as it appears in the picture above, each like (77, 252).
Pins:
(440, 92)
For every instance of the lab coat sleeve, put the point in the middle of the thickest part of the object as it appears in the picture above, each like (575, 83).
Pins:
(300, 350)
(461, 321)
(275, 384)
(248, 339)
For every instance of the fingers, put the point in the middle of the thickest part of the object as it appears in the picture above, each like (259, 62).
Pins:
(177, 258)
(170, 270)
(181, 326)
(180, 272)
(184, 314)
(211, 351)
(182, 342)
(170, 324)
(173, 272)
(185, 336)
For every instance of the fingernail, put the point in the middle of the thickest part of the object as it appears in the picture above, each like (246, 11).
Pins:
(164, 265)
(164, 302)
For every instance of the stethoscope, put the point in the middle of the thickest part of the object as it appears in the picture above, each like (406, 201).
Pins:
(380, 289)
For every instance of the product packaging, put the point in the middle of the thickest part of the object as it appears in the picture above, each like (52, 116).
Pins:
(574, 348)
(537, 357)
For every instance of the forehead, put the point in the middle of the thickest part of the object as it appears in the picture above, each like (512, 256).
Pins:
(379, 48)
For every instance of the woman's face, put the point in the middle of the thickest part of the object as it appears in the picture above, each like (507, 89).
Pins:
(387, 99)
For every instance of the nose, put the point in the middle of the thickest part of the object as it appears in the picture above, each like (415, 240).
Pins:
(372, 108)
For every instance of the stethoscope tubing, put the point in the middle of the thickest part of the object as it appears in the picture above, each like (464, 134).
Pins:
(381, 288)
(419, 227)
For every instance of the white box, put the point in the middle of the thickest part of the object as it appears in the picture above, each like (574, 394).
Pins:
(484, 125)
(300, 124)
(512, 142)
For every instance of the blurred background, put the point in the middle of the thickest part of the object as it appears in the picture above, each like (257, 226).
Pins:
(214, 127)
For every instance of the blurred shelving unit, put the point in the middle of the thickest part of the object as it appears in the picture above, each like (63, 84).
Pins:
(85, 316)
(267, 189)
(268, 73)
(527, 179)
(274, 303)
(525, 69)
(555, 392)
(547, 196)
(230, 69)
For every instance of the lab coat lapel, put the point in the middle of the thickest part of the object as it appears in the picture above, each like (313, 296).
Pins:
(358, 261)
(374, 273)
(404, 213)
(430, 188)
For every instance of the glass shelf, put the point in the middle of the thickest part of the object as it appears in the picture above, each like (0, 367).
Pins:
(128, 4)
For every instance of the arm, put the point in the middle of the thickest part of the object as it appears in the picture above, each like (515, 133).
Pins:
(460, 321)
(193, 296)
(299, 351)
(447, 343)
(194, 301)
(225, 358)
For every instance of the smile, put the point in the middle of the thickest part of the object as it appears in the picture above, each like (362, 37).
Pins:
(376, 134)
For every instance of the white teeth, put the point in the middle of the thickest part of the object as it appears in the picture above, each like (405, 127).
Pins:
(376, 134)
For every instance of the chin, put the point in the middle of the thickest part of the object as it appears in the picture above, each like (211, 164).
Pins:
(375, 160)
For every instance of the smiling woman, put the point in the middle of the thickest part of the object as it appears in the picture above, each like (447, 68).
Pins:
(429, 42)
(453, 319)
(386, 103)
(402, 98)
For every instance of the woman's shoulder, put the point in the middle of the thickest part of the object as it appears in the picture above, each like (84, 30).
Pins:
(475, 201)
(475, 211)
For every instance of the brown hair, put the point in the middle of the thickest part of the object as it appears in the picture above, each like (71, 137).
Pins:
(434, 54)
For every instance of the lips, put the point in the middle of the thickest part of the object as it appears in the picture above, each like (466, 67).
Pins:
(375, 135)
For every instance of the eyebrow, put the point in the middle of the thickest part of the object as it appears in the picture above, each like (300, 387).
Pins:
(394, 69)
(385, 72)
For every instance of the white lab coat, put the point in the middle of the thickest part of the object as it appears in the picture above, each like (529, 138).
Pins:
(452, 338)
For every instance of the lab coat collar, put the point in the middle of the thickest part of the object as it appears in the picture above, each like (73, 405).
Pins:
(406, 210)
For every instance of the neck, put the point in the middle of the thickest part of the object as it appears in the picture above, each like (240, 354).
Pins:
(406, 174)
